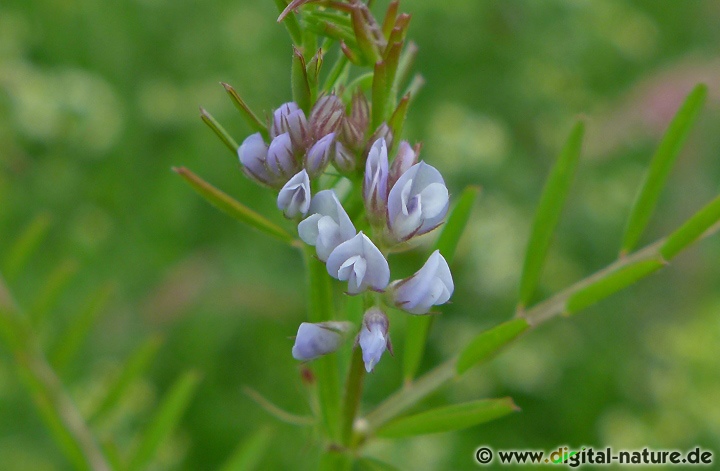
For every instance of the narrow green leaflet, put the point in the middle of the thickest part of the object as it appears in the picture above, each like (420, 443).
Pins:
(548, 213)
(290, 22)
(448, 418)
(232, 207)
(25, 245)
(300, 85)
(50, 293)
(249, 453)
(372, 464)
(693, 229)
(220, 131)
(134, 367)
(165, 420)
(611, 283)
(250, 117)
(660, 166)
(489, 342)
(418, 327)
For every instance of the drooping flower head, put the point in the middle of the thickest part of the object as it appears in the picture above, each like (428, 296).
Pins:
(360, 263)
(417, 203)
(294, 197)
(314, 340)
(327, 226)
(430, 286)
(373, 337)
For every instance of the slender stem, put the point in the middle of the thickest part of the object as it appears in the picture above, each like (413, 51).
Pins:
(353, 394)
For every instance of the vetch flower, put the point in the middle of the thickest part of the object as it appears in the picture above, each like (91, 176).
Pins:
(327, 226)
(430, 286)
(360, 263)
(281, 162)
(417, 203)
(319, 155)
(315, 340)
(375, 187)
(289, 118)
(294, 197)
(253, 156)
(373, 337)
(406, 157)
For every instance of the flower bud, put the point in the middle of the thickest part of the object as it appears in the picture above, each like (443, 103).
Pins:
(327, 226)
(289, 118)
(344, 159)
(375, 184)
(417, 203)
(315, 340)
(253, 155)
(383, 131)
(430, 286)
(281, 162)
(405, 158)
(319, 155)
(373, 337)
(356, 124)
(360, 263)
(326, 116)
(294, 197)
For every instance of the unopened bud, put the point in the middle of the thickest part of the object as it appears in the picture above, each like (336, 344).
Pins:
(373, 337)
(319, 155)
(405, 158)
(344, 159)
(326, 116)
(315, 340)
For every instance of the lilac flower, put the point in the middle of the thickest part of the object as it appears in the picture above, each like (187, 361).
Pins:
(417, 203)
(360, 263)
(319, 155)
(294, 198)
(405, 158)
(289, 118)
(375, 186)
(253, 155)
(315, 340)
(326, 116)
(281, 162)
(327, 226)
(430, 286)
(373, 337)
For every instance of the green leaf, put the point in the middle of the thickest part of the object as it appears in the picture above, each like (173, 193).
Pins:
(290, 22)
(353, 393)
(299, 81)
(76, 333)
(489, 342)
(548, 213)
(371, 464)
(611, 283)
(313, 74)
(333, 78)
(165, 419)
(134, 367)
(25, 245)
(379, 110)
(220, 131)
(448, 418)
(250, 117)
(418, 327)
(232, 207)
(333, 459)
(50, 293)
(320, 309)
(248, 454)
(397, 121)
(693, 229)
(660, 166)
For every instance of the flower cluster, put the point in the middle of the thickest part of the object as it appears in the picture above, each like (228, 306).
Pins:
(402, 199)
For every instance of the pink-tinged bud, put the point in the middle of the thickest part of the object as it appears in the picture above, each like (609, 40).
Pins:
(373, 337)
(382, 132)
(344, 159)
(315, 340)
(430, 286)
(417, 203)
(360, 263)
(319, 155)
(355, 125)
(326, 116)
(294, 197)
(253, 156)
(289, 118)
(405, 158)
(281, 162)
(375, 183)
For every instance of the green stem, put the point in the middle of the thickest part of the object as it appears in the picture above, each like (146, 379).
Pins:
(353, 393)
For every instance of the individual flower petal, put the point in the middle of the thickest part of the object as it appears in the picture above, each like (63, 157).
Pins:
(294, 197)
(253, 155)
(417, 203)
(373, 337)
(375, 182)
(314, 340)
(319, 155)
(360, 263)
(383, 131)
(289, 118)
(281, 162)
(406, 157)
(327, 226)
(430, 286)
(326, 116)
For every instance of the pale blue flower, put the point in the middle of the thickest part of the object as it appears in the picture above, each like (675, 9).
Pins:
(315, 340)
(253, 156)
(319, 155)
(417, 203)
(360, 263)
(294, 197)
(406, 157)
(281, 162)
(430, 286)
(375, 183)
(289, 118)
(327, 226)
(373, 337)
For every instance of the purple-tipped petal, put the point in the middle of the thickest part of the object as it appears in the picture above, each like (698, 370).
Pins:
(430, 286)
(294, 197)
(253, 155)
(373, 337)
(375, 190)
(360, 263)
(281, 161)
(319, 155)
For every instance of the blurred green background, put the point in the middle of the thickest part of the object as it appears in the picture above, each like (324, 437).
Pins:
(99, 99)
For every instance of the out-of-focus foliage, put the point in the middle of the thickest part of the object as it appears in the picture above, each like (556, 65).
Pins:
(99, 99)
